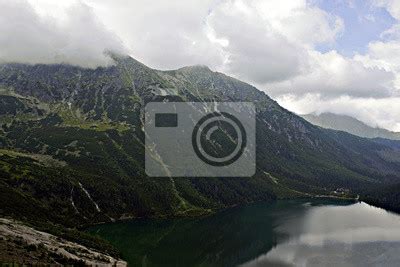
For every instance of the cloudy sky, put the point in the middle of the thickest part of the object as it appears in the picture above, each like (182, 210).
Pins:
(341, 56)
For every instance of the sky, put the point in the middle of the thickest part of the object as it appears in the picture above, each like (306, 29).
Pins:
(340, 56)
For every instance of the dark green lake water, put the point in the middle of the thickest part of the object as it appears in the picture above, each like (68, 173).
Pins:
(286, 233)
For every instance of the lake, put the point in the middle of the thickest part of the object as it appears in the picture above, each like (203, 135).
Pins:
(285, 233)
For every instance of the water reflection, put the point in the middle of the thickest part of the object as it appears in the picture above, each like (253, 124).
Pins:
(328, 233)
(355, 235)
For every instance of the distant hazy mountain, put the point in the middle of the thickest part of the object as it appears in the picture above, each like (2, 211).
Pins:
(350, 125)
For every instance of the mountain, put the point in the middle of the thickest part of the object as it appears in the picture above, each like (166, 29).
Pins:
(387, 197)
(72, 147)
(350, 125)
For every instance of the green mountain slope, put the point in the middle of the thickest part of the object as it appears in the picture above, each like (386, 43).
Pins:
(350, 125)
(73, 146)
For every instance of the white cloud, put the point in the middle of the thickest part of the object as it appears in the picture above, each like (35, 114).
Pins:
(259, 41)
(271, 40)
(255, 51)
(164, 34)
(272, 45)
(332, 74)
(79, 39)
(392, 6)
(300, 22)
(386, 56)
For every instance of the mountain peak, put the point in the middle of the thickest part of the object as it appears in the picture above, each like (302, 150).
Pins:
(202, 68)
(126, 60)
(129, 60)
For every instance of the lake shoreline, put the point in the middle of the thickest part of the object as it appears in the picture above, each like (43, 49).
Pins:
(216, 211)
(270, 225)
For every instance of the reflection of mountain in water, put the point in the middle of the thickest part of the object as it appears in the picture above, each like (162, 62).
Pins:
(228, 238)
(356, 235)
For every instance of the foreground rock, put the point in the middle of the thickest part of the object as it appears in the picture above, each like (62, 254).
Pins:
(23, 244)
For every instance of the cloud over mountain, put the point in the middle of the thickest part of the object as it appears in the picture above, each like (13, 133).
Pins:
(287, 48)
(78, 38)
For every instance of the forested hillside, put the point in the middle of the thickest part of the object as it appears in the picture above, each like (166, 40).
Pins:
(72, 146)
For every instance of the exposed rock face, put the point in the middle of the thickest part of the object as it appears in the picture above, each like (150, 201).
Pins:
(22, 244)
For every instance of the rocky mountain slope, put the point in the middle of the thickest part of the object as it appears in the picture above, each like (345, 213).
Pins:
(72, 146)
(350, 125)
(24, 245)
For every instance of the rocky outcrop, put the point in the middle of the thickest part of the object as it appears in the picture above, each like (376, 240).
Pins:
(22, 244)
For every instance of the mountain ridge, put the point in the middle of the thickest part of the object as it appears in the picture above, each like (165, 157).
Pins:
(349, 124)
(92, 120)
